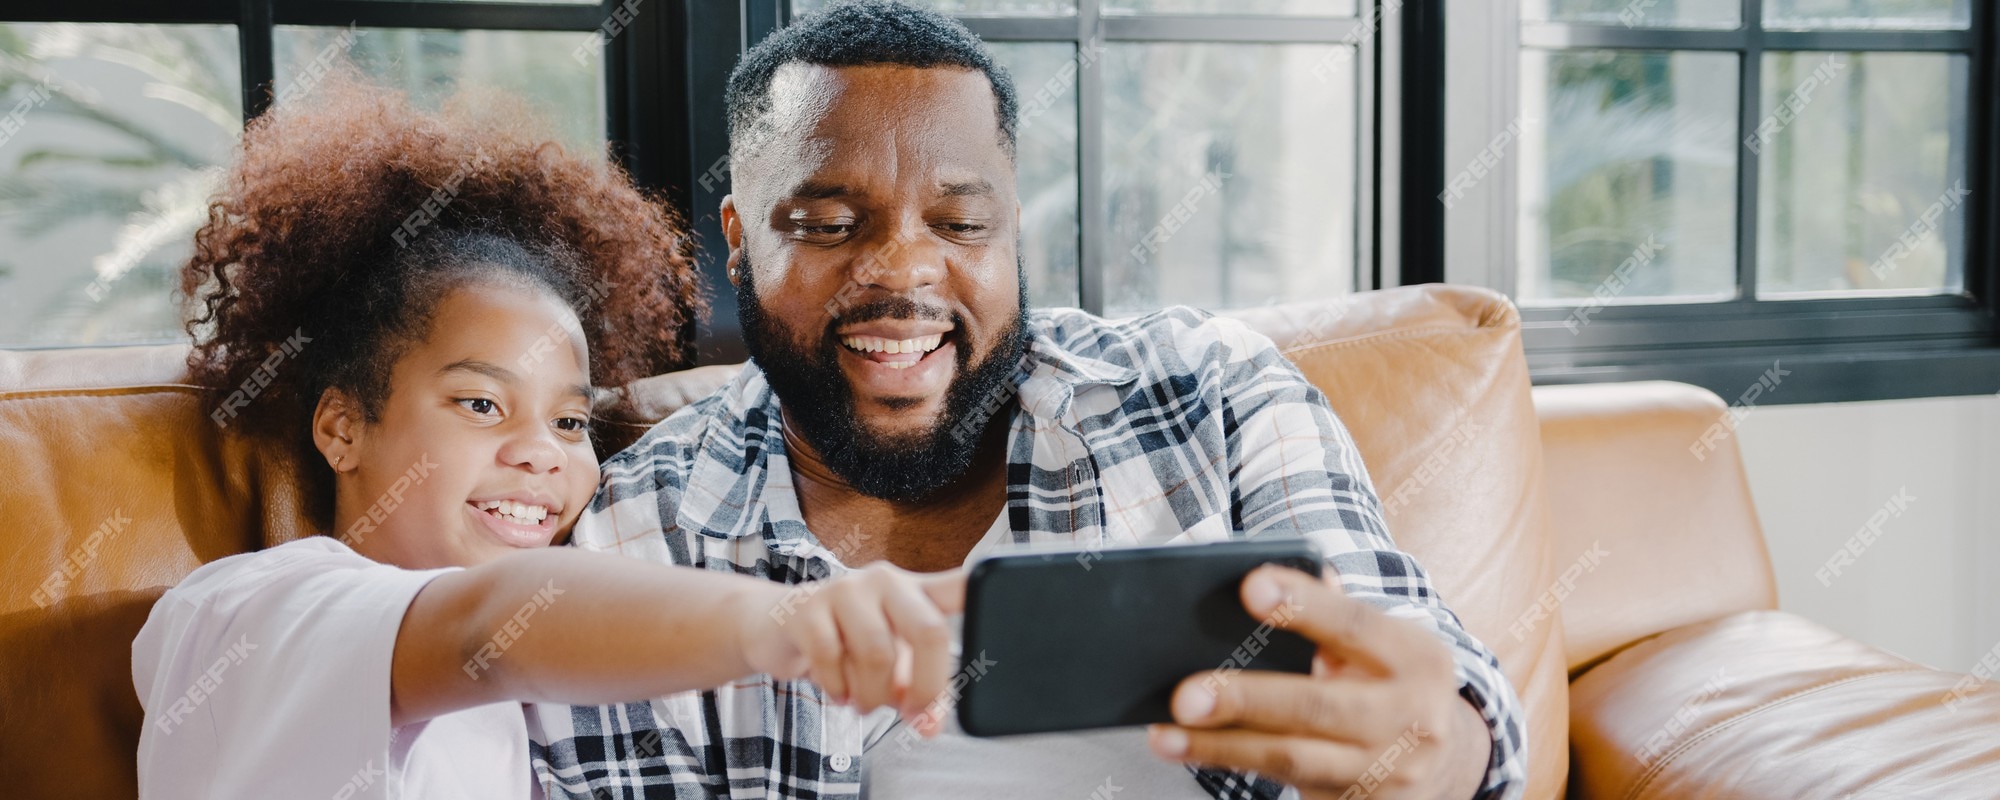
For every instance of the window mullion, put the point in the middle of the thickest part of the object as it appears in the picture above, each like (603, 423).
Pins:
(1751, 108)
(1421, 221)
(253, 43)
(1982, 261)
(1958, 240)
(1091, 218)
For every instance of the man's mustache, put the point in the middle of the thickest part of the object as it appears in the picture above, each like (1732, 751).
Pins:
(896, 307)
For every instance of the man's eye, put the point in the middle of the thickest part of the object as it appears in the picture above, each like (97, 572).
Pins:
(479, 405)
(830, 229)
(962, 227)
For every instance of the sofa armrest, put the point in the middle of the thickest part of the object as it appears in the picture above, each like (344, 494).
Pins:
(1649, 535)
(1768, 704)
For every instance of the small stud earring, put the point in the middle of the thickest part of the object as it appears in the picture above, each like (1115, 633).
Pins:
(336, 462)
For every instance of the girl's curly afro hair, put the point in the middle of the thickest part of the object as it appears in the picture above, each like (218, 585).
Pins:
(344, 221)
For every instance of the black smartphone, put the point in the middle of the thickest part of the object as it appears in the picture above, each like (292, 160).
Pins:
(1081, 639)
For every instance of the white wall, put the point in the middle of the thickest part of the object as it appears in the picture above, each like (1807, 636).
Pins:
(1928, 588)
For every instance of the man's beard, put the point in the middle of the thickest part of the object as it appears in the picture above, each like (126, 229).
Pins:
(815, 394)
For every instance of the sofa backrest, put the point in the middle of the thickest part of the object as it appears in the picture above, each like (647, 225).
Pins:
(118, 484)
(115, 484)
(1432, 383)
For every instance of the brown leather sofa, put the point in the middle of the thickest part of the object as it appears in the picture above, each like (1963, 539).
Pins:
(1623, 583)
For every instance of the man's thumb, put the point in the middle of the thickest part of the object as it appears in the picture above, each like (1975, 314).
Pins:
(946, 589)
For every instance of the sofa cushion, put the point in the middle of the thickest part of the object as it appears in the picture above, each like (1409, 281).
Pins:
(1766, 704)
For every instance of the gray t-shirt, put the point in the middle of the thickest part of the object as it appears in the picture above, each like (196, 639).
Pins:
(1087, 765)
(897, 764)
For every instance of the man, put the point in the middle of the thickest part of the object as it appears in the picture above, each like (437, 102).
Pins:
(904, 408)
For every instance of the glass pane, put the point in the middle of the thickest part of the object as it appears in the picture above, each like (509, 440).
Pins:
(1045, 76)
(1725, 14)
(972, 8)
(109, 139)
(1628, 175)
(1862, 183)
(1229, 174)
(1318, 8)
(557, 72)
(1850, 14)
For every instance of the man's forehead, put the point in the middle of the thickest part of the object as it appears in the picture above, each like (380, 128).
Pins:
(837, 126)
(802, 93)
(800, 96)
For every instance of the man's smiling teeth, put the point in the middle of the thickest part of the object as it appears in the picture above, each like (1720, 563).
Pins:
(518, 513)
(877, 344)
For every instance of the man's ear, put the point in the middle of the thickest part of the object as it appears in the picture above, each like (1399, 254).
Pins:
(732, 233)
(337, 430)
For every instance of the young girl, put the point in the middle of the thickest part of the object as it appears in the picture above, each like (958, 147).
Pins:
(423, 303)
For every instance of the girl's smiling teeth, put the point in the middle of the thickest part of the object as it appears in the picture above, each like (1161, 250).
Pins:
(517, 513)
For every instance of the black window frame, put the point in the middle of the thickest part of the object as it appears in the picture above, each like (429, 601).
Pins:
(1836, 349)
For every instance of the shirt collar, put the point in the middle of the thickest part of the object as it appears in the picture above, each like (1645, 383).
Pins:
(1050, 376)
(1055, 372)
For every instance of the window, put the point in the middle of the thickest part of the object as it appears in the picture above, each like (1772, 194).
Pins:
(541, 67)
(1186, 151)
(1172, 151)
(1681, 189)
(116, 115)
(1703, 188)
(108, 150)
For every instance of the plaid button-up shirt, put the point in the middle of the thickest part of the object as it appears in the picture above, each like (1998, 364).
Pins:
(1173, 427)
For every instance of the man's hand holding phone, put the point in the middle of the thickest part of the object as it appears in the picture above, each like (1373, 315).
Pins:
(1380, 712)
(877, 636)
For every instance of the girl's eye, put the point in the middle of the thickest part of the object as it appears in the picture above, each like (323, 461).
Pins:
(573, 424)
(479, 405)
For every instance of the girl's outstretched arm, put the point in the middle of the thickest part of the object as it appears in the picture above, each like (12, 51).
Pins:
(570, 626)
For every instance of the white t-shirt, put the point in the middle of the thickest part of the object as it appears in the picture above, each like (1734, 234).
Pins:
(266, 675)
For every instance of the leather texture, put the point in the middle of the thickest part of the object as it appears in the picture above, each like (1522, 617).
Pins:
(1432, 384)
(654, 399)
(1765, 704)
(114, 492)
(1668, 539)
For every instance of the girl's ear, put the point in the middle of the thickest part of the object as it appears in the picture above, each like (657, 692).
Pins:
(337, 430)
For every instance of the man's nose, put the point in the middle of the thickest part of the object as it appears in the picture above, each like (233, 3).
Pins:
(905, 258)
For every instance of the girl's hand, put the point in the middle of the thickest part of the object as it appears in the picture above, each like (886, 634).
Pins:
(874, 637)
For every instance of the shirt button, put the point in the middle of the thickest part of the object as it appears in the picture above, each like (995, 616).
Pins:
(1078, 473)
(840, 762)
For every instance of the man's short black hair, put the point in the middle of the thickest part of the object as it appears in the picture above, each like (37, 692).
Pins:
(863, 33)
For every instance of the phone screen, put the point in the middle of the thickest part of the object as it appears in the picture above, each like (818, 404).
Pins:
(1075, 640)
